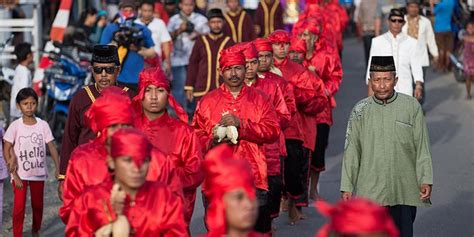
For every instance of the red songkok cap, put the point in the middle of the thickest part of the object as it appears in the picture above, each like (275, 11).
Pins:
(230, 57)
(297, 45)
(279, 36)
(356, 216)
(248, 50)
(113, 107)
(155, 76)
(130, 142)
(263, 45)
(224, 173)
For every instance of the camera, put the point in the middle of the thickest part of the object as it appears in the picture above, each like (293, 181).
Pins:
(189, 27)
(128, 34)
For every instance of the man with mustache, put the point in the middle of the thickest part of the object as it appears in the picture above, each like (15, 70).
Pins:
(105, 67)
(250, 112)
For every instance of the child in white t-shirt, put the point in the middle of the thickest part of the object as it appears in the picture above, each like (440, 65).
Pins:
(22, 77)
(3, 176)
(26, 138)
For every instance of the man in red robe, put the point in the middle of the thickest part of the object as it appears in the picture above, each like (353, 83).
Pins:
(125, 202)
(234, 104)
(268, 17)
(239, 25)
(105, 68)
(310, 100)
(203, 76)
(173, 137)
(87, 166)
(327, 65)
(272, 151)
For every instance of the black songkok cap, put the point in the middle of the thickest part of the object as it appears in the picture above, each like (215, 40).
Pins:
(105, 54)
(382, 64)
(396, 12)
(215, 12)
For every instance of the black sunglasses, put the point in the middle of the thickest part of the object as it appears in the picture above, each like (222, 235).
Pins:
(397, 21)
(108, 70)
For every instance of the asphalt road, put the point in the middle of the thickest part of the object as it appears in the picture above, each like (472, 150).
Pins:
(450, 120)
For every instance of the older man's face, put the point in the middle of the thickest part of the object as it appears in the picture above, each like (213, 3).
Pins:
(383, 84)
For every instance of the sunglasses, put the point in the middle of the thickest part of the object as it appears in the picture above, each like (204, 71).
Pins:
(108, 70)
(401, 21)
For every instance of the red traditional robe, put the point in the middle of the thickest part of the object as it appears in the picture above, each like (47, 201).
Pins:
(273, 151)
(239, 26)
(76, 131)
(203, 76)
(156, 211)
(88, 167)
(179, 141)
(289, 97)
(258, 125)
(328, 67)
(269, 17)
(310, 99)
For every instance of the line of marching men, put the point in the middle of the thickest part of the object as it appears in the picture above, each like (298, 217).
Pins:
(273, 110)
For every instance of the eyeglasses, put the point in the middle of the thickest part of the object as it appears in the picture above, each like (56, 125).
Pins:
(108, 70)
(401, 21)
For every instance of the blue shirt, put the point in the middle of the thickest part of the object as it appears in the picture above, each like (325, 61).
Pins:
(443, 12)
(133, 63)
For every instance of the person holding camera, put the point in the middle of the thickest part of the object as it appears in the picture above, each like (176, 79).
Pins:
(133, 40)
(185, 27)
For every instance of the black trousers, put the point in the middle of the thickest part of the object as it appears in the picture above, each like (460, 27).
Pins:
(264, 220)
(293, 168)
(318, 157)
(367, 40)
(302, 201)
(275, 187)
(403, 216)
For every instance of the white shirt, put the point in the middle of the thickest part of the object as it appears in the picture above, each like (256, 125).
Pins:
(426, 37)
(21, 80)
(159, 33)
(183, 44)
(250, 4)
(406, 57)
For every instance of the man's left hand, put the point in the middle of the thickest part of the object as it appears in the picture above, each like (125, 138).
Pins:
(425, 192)
(418, 93)
(230, 120)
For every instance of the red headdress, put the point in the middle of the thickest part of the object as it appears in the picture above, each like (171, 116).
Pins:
(297, 45)
(262, 44)
(354, 217)
(130, 142)
(313, 25)
(224, 173)
(279, 36)
(155, 76)
(113, 107)
(248, 50)
(230, 57)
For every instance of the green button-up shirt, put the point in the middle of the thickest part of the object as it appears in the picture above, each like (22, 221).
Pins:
(387, 152)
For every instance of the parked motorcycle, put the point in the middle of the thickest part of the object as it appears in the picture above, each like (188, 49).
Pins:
(63, 79)
(6, 83)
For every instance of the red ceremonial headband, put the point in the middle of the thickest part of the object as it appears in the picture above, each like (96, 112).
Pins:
(298, 45)
(279, 36)
(263, 45)
(156, 77)
(356, 216)
(113, 107)
(224, 173)
(132, 143)
(230, 57)
(248, 50)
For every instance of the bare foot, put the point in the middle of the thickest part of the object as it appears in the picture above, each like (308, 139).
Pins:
(284, 205)
(293, 214)
(301, 215)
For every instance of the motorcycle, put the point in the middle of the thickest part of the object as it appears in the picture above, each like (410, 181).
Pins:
(66, 76)
(6, 83)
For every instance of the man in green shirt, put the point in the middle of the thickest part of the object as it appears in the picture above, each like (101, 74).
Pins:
(387, 152)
